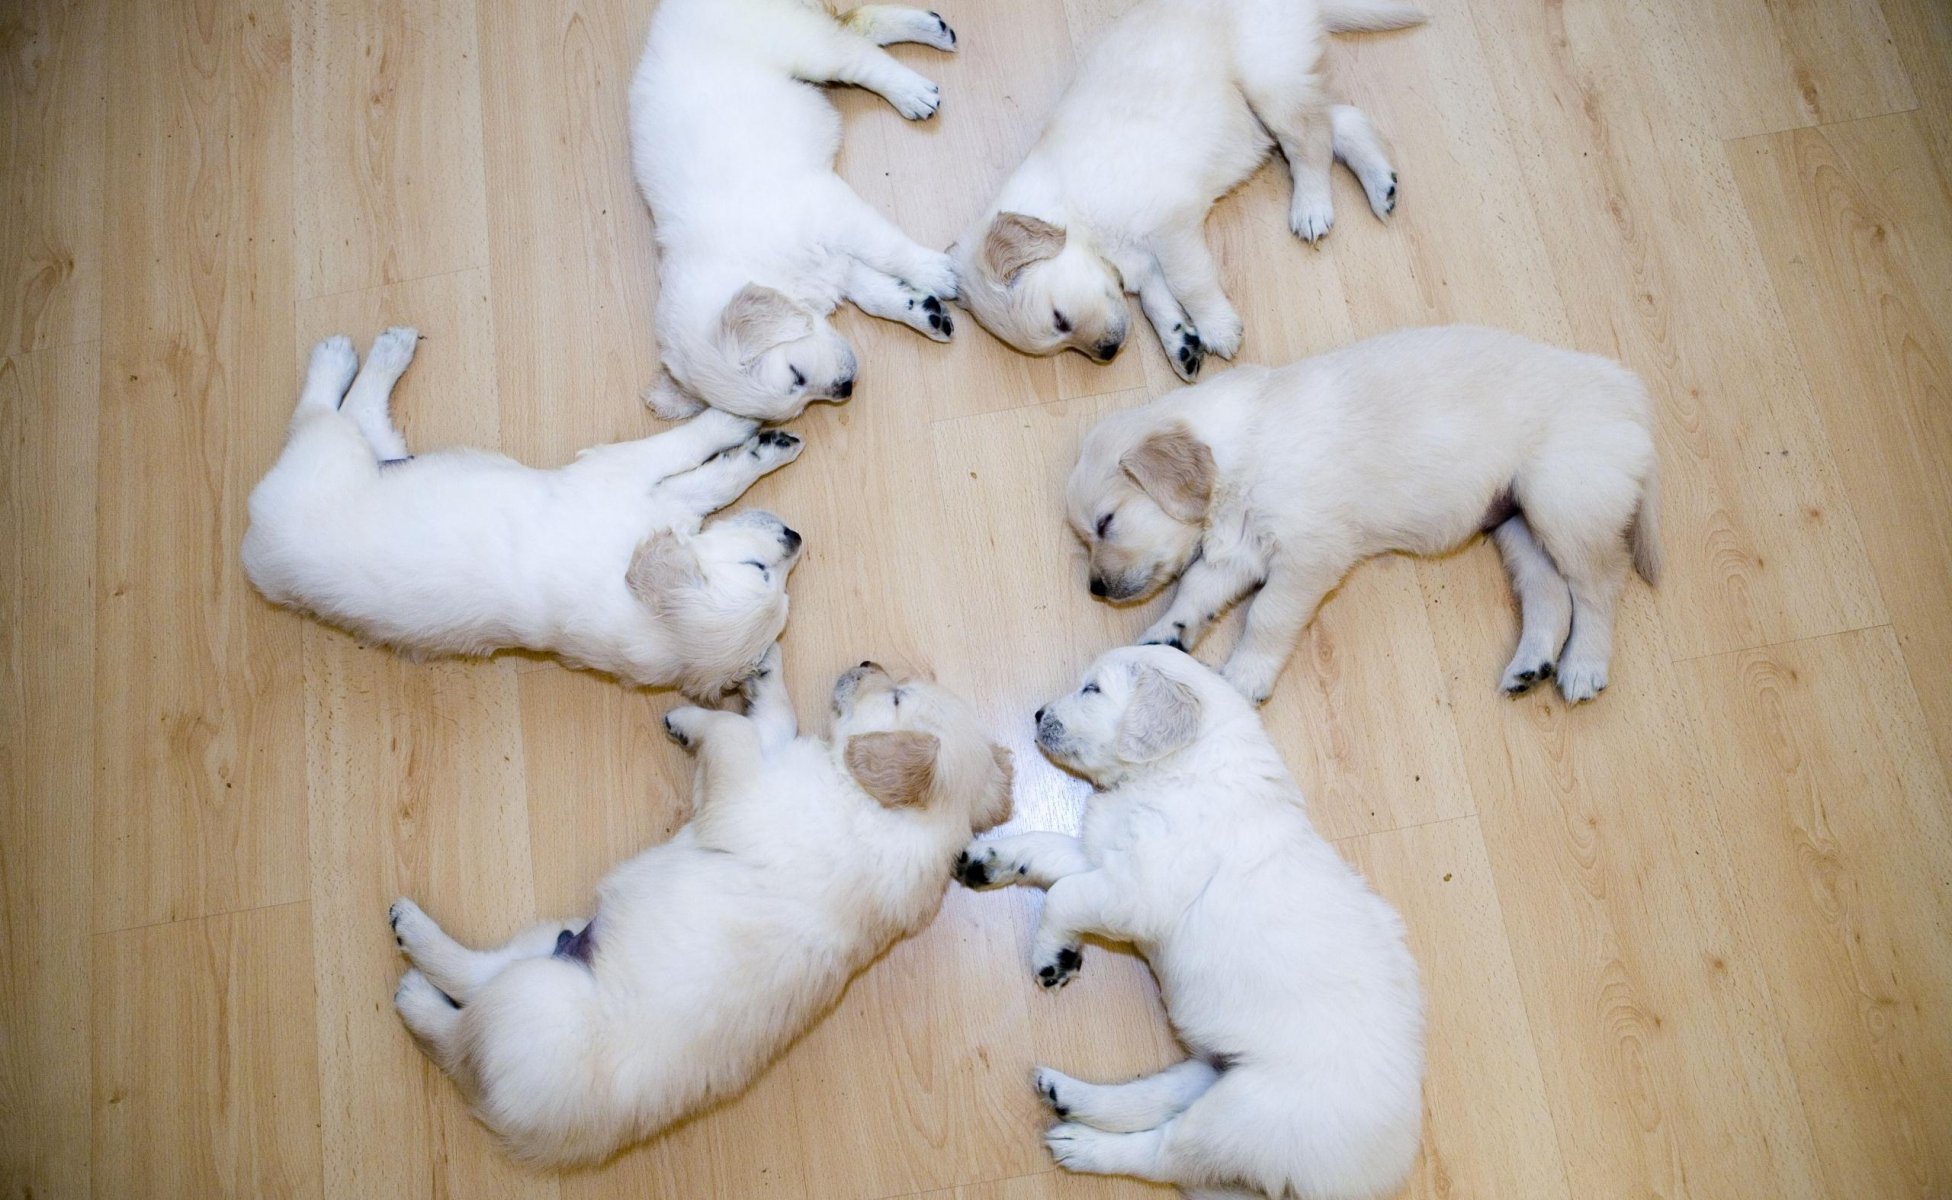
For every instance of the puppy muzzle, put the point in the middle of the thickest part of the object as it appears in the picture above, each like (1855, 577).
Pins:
(849, 686)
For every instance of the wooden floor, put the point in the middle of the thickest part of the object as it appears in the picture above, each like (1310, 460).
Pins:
(1694, 940)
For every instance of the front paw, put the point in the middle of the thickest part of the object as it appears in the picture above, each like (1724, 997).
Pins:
(1169, 633)
(1524, 673)
(1311, 218)
(1581, 680)
(774, 448)
(941, 36)
(411, 926)
(1222, 335)
(929, 315)
(1060, 968)
(681, 725)
(1187, 350)
(1053, 1087)
(1252, 680)
(917, 98)
(981, 867)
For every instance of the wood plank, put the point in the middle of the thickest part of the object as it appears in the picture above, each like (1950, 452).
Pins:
(387, 120)
(1855, 223)
(1838, 811)
(52, 147)
(47, 753)
(1922, 31)
(205, 1070)
(201, 753)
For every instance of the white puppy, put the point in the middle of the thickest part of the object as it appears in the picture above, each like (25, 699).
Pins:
(1177, 103)
(1283, 973)
(758, 239)
(1283, 479)
(463, 552)
(803, 860)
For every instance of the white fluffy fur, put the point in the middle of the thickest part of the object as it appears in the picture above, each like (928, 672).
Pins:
(734, 149)
(462, 552)
(1412, 441)
(1281, 971)
(713, 951)
(1176, 104)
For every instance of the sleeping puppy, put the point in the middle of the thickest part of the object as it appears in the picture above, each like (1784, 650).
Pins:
(1179, 102)
(1286, 977)
(802, 861)
(1281, 480)
(758, 239)
(462, 552)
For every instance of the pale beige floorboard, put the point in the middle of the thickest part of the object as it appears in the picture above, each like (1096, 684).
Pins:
(1693, 940)
(1855, 222)
(47, 563)
(52, 94)
(1837, 810)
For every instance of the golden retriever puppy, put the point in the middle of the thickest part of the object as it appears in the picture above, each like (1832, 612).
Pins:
(1278, 481)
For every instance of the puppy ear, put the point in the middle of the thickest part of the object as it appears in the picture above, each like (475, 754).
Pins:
(663, 565)
(896, 767)
(759, 318)
(1175, 469)
(1015, 241)
(996, 807)
(1163, 716)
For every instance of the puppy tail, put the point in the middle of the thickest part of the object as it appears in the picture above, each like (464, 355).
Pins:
(1369, 16)
(1644, 532)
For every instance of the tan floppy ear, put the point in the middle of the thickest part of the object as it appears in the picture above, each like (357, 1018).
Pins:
(1175, 469)
(759, 318)
(662, 565)
(1015, 241)
(996, 806)
(896, 767)
(1163, 716)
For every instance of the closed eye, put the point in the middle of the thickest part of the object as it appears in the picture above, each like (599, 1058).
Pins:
(1104, 524)
(799, 380)
(1063, 326)
(753, 562)
(1089, 689)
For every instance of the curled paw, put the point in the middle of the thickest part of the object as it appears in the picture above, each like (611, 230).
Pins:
(1521, 678)
(981, 867)
(1061, 969)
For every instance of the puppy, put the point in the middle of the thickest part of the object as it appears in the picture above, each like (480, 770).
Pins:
(803, 860)
(1178, 103)
(462, 552)
(1283, 973)
(758, 239)
(1283, 479)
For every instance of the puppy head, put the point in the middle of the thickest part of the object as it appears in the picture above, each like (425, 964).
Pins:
(1136, 705)
(910, 744)
(1138, 499)
(719, 594)
(1040, 290)
(783, 350)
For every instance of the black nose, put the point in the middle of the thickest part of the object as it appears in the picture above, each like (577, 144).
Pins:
(868, 664)
(844, 388)
(1097, 586)
(1108, 349)
(790, 538)
(1039, 717)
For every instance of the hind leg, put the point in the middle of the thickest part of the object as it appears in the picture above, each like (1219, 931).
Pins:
(429, 1015)
(767, 704)
(367, 401)
(1544, 604)
(328, 374)
(1582, 524)
(1143, 1103)
(452, 967)
(1359, 149)
(1595, 592)
(886, 24)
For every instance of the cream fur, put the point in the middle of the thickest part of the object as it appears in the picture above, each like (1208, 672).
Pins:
(734, 149)
(1284, 974)
(1412, 441)
(1177, 103)
(710, 953)
(461, 552)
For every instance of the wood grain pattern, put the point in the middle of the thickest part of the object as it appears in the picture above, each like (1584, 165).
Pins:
(1692, 940)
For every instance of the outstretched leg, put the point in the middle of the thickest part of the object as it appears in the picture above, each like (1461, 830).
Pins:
(835, 54)
(1544, 605)
(1143, 1103)
(1194, 278)
(891, 299)
(1038, 859)
(327, 376)
(1275, 620)
(726, 744)
(1178, 335)
(368, 399)
(723, 478)
(652, 460)
(452, 967)
(859, 230)
(767, 705)
(431, 1016)
(886, 24)
(1357, 146)
(1207, 588)
(1075, 906)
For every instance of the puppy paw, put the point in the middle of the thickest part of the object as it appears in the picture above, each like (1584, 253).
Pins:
(1052, 1086)
(980, 867)
(682, 724)
(915, 98)
(928, 315)
(1080, 1148)
(1187, 351)
(1060, 968)
(1252, 680)
(774, 448)
(1222, 335)
(393, 350)
(940, 36)
(1168, 633)
(1310, 218)
(334, 363)
(417, 999)
(936, 276)
(1580, 681)
(1525, 671)
(1381, 191)
(670, 401)
(764, 670)
(412, 928)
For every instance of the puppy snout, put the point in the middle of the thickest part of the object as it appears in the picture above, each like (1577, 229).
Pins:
(1108, 349)
(1050, 730)
(1098, 588)
(868, 664)
(844, 388)
(791, 539)
(1038, 717)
